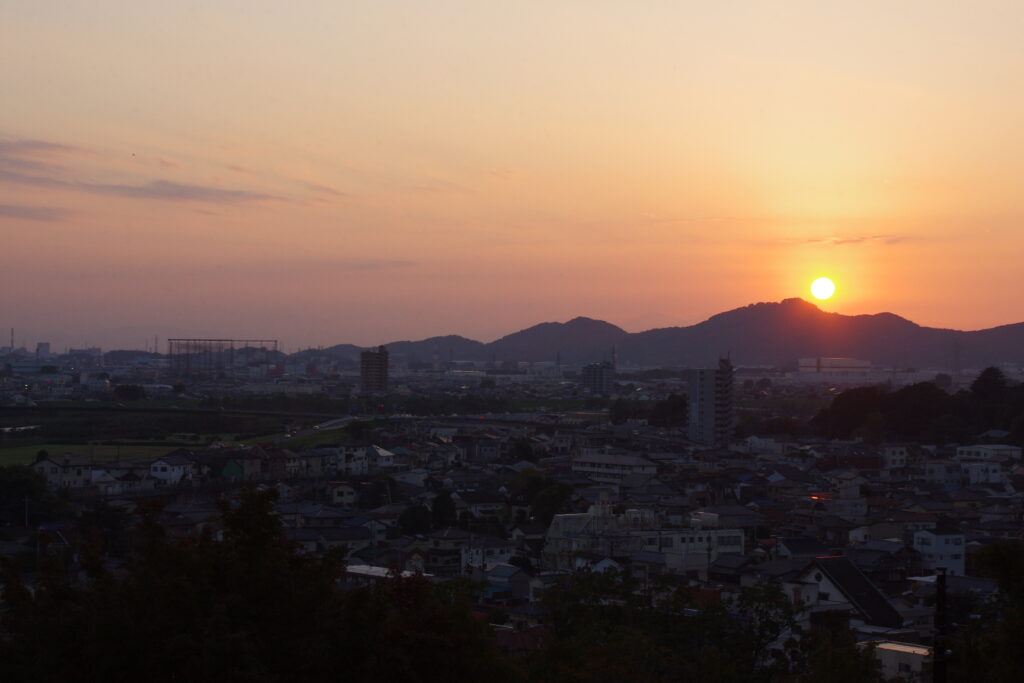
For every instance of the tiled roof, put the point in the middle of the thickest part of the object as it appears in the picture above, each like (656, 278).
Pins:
(858, 590)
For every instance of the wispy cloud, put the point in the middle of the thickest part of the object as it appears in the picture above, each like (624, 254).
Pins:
(325, 189)
(35, 156)
(376, 264)
(158, 189)
(33, 213)
(437, 186)
(33, 147)
(280, 271)
(29, 163)
(501, 173)
(166, 190)
(838, 241)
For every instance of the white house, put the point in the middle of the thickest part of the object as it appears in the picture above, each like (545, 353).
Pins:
(171, 469)
(941, 549)
(983, 472)
(64, 472)
(995, 452)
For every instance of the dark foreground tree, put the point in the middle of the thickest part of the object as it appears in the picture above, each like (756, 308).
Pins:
(246, 607)
(26, 499)
(989, 648)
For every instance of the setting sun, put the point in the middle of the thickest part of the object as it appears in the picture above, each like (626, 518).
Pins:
(823, 288)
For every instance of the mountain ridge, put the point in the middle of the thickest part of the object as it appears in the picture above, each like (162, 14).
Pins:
(762, 333)
(765, 333)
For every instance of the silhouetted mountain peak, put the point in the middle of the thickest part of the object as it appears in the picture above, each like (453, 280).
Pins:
(591, 324)
(764, 333)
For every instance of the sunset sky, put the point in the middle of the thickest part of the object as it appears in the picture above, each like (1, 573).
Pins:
(327, 171)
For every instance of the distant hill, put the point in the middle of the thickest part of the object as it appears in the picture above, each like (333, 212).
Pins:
(581, 340)
(773, 333)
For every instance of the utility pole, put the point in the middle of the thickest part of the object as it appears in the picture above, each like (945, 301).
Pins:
(939, 643)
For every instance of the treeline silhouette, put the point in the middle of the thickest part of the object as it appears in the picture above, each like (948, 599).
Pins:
(926, 413)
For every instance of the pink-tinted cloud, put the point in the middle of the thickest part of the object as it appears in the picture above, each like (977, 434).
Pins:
(324, 189)
(163, 190)
(33, 213)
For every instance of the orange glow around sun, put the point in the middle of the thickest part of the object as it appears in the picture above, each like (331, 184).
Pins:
(823, 288)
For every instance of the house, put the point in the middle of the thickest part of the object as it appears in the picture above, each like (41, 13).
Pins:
(443, 549)
(509, 582)
(482, 504)
(647, 565)
(885, 563)
(611, 467)
(306, 540)
(343, 493)
(982, 472)
(837, 581)
(379, 458)
(351, 538)
(905, 661)
(728, 568)
(352, 460)
(483, 550)
(989, 452)
(64, 472)
(309, 463)
(172, 469)
(118, 479)
(942, 472)
(801, 547)
(941, 549)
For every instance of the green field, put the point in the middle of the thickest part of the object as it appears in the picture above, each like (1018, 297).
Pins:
(23, 455)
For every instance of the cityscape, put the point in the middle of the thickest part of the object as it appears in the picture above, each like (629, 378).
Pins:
(555, 342)
(853, 493)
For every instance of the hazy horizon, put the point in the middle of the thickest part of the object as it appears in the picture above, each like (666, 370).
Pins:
(59, 340)
(367, 172)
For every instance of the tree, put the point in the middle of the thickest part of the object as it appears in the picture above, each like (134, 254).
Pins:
(522, 449)
(618, 411)
(990, 386)
(245, 608)
(829, 652)
(442, 510)
(415, 520)
(550, 501)
(672, 412)
(105, 527)
(873, 428)
(24, 492)
(849, 411)
(910, 410)
(989, 649)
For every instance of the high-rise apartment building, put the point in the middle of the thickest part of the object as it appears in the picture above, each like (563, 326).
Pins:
(710, 394)
(598, 378)
(374, 371)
